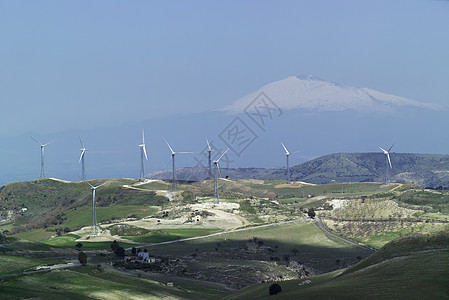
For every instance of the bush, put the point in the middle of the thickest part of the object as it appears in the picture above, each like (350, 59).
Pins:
(114, 246)
(82, 257)
(120, 252)
(311, 213)
(275, 289)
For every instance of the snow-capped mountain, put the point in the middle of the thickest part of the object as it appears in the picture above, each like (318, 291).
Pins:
(311, 93)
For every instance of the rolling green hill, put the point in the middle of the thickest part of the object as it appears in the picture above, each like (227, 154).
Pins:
(412, 267)
(47, 203)
(426, 170)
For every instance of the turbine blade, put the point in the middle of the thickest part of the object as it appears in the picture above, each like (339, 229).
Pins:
(172, 152)
(145, 152)
(219, 170)
(208, 145)
(184, 152)
(82, 154)
(385, 151)
(82, 145)
(37, 141)
(389, 160)
(390, 148)
(90, 184)
(102, 184)
(286, 151)
(143, 136)
(48, 143)
(224, 153)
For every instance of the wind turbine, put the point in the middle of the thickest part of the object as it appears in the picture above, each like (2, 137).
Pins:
(42, 156)
(173, 182)
(143, 152)
(81, 160)
(388, 161)
(209, 157)
(94, 228)
(217, 170)
(287, 156)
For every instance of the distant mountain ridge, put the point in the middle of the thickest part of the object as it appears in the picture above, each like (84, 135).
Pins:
(311, 93)
(426, 170)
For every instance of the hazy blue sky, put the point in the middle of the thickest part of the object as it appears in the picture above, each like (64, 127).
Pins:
(84, 64)
(105, 69)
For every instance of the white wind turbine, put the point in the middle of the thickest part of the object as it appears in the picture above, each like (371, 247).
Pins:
(143, 152)
(217, 171)
(209, 157)
(94, 228)
(287, 156)
(388, 162)
(42, 156)
(81, 160)
(173, 153)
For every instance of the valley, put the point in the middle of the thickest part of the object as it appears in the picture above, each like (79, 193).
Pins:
(259, 233)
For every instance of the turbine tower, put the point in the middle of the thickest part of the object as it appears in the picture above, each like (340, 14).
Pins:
(173, 153)
(217, 171)
(287, 155)
(209, 158)
(94, 228)
(388, 163)
(42, 156)
(81, 160)
(143, 152)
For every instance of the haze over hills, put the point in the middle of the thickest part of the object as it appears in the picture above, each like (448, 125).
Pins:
(426, 170)
(311, 115)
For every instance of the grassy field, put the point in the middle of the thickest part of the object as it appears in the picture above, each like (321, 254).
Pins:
(411, 268)
(156, 236)
(69, 241)
(36, 235)
(16, 264)
(311, 243)
(90, 283)
(83, 216)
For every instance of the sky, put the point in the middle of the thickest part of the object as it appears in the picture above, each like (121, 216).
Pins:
(71, 66)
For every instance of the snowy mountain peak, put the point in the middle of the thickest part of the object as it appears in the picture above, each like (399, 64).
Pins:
(311, 93)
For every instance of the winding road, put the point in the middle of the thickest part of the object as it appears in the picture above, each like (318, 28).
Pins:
(320, 224)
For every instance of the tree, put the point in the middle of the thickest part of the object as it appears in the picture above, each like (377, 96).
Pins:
(120, 252)
(311, 213)
(274, 289)
(78, 246)
(295, 251)
(114, 245)
(134, 250)
(82, 257)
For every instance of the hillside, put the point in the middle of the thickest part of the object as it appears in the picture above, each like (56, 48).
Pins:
(412, 267)
(45, 202)
(426, 170)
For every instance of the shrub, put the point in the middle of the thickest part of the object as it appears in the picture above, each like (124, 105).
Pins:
(274, 289)
(82, 257)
